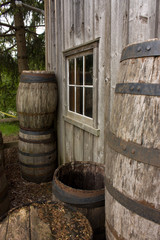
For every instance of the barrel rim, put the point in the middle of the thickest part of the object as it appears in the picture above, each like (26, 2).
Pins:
(38, 72)
(77, 192)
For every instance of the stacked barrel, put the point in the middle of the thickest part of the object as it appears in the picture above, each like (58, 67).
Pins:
(36, 107)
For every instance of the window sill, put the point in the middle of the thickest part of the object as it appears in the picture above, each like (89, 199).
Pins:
(82, 126)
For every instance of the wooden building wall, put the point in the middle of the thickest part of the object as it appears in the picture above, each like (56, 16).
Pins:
(70, 23)
(116, 23)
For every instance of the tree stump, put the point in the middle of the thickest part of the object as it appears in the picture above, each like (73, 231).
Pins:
(47, 221)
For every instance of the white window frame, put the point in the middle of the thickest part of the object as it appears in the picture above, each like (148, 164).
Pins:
(82, 50)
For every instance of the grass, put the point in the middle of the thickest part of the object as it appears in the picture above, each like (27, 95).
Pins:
(8, 129)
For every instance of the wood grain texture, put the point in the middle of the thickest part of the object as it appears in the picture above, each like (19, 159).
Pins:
(45, 221)
(78, 144)
(37, 156)
(36, 104)
(134, 118)
(142, 17)
(77, 22)
(69, 154)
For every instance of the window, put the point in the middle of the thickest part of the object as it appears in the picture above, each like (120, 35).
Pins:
(81, 72)
(80, 84)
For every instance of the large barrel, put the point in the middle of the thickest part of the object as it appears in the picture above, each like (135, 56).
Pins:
(45, 221)
(132, 175)
(37, 155)
(36, 100)
(81, 185)
(4, 200)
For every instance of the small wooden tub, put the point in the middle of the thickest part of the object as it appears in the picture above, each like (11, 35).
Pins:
(81, 185)
(45, 221)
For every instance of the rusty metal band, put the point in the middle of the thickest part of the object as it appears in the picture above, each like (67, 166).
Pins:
(35, 129)
(147, 89)
(134, 151)
(136, 207)
(83, 202)
(44, 141)
(144, 49)
(37, 165)
(37, 154)
(50, 131)
(38, 79)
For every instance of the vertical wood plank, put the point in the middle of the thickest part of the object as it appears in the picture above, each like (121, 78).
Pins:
(142, 18)
(157, 23)
(119, 37)
(78, 144)
(88, 147)
(100, 20)
(60, 77)
(88, 20)
(78, 22)
(69, 154)
(68, 24)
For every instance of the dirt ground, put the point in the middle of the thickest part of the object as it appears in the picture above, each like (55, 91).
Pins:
(20, 191)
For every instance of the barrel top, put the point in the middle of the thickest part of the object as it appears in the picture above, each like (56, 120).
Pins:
(49, 220)
(149, 48)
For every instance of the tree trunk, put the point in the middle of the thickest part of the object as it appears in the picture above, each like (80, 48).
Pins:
(21, 42)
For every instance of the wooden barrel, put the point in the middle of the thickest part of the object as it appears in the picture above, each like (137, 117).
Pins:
(37, 155)
(4, 201)
(45, 221)
(81, 185)
(132, 175)
(36, 100)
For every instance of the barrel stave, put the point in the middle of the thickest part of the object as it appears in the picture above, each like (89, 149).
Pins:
(135, 119)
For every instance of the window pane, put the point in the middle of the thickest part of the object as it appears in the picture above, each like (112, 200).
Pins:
(79, 100)
(88, 102)
(89, 69)
(79, 71)
(71, 99)
(71, 71)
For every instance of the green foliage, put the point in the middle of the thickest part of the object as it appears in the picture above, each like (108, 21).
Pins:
(8, 82)
(35, 44)
(8, 129)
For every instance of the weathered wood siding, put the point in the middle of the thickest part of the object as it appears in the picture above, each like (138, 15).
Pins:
(70, 23)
